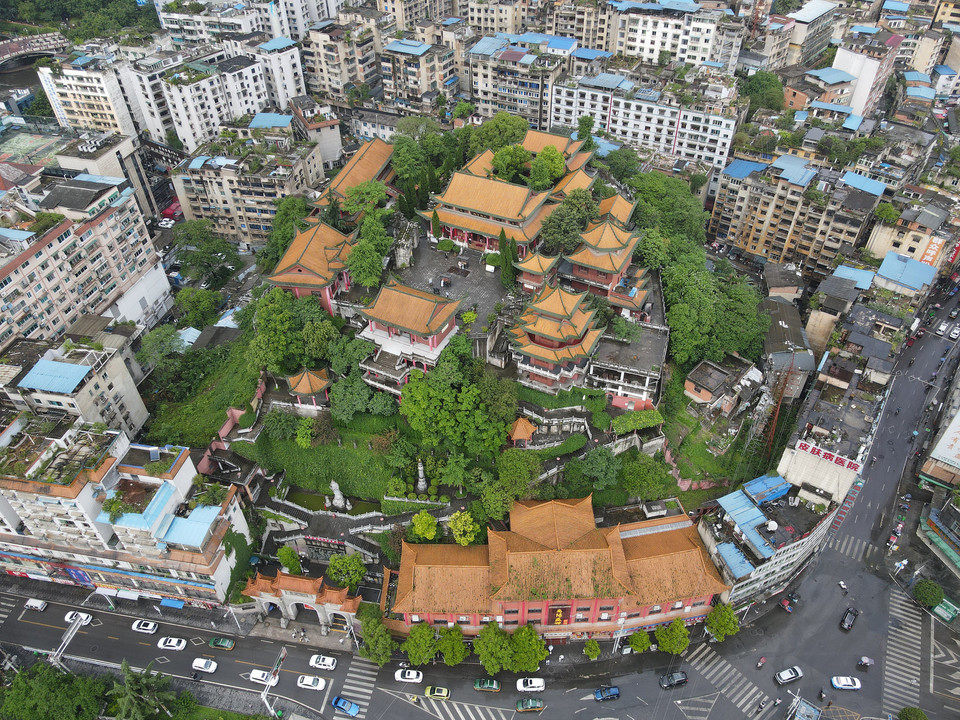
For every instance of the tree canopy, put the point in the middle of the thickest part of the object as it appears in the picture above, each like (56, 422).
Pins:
(667, 204)
(290, 211)
(764, 90)
(346, 570)
(45, 693)
(421, 645)
(547, 167)
(509, 161)
(560, 232)
(501, 130)
(673, 638)
(197, 307)
(158, 344)
(722, 622)
(203, 255)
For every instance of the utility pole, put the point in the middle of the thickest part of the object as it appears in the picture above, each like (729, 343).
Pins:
(274, 673)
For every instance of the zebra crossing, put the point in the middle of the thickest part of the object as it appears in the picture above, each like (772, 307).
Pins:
(901, 667)
(450, 710)
(360, 683)
(731, 683)
(856, 548)
(7, 606)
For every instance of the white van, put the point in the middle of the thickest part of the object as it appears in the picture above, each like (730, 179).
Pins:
(38, 605)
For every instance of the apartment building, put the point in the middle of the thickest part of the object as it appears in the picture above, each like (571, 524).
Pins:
(948, 11)
(408, 12)
(279, 58)
(922, 232)
(83, 506)
(210, 24)
(98, 260)
(316, 123)
(203, 97)
(237, 193)
(144, 80)
(870, 58)
(776, 41)
(506, 77)
(812, 31)
(85, 94)
(338, 58)
(453, 33)
(587, 22)
(413, 74)
(496, 16)
(382, 25)
(829, 86)
(697, 124)
(789, 211)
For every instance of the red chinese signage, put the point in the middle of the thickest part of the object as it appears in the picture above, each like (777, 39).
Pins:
(837, 460)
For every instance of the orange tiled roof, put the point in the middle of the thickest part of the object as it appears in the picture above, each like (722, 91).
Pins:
(314, 257)
(262, 585)
(557, 302)
(611, 261)
(536, 140)
(371, 160)
(606, 236)
(618, 208)
(443, 579)
(415, 311)
(481, 165)
(576, 180)
(492, 198)
(562, 329)
(309, 382)
(578, 161)
(568, 353)
(537, 264)
(554, 524)
(522, 429)
(492, 228)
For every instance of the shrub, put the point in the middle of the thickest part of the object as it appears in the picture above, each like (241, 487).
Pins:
(444, 499)
(411, 496)
(445, 245)
(422, 496)
(592, 649)
(247, 419)
(636, 420)
(600, 420)
(493, 259)
(927, 593)
(912, 713)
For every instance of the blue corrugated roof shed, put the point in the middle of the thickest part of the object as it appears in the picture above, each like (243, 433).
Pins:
(270, 120)
(832, 76)
(861, 182)
(766, 488)
(834, 107)
(188, 336)
(945, 69)
(794, 170)
(862, 279)
(408, 47)
(105, 179)
(735, 560)
(742, 168)
(812, 10)
(277, 43)
(895, 6)
(451, 21)
(905, 271)
(853, 122)
(198, 162)
(748, 517)
(191, 530)
(865, 29)
(556, 42)
(11, 234)
(54, 376)
(607, 81)
(923, 93)
(712, 63)
(801, 116)
(676, 5)
(591, 54)
(914, 76)
(150, 515)
(488, 45)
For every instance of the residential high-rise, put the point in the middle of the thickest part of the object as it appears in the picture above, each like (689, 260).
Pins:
(870, 58)
(812, 31)
(414, 73)
(279, 58)
(500, 16)
(409, 12)
(85, 94)
(338, 59)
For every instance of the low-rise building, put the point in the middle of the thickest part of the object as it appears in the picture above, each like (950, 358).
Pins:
(782, 281)
(788, 360)
(316, 123)
(500, 16)
(724, 387)
(905, 276)
(922, 231)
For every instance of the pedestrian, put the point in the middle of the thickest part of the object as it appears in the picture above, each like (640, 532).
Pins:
(293, 635)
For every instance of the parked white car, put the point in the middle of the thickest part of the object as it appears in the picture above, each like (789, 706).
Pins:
(323, 662)
(166, 223)
(531, 685)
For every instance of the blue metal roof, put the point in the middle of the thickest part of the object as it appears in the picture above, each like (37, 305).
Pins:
(914, 76)
(742, 168)
(923, 93)
(853, 122)
(104, 179)
(607, 81)
(862, 279)
(735, 560)
(945, 69)
(833, 107)
(53, 376)
(198, 162)
(865, 29)
(801, 116)
(794, 170)
(451, 21)
(905, 271)
(831, 76)
(590, 54)
(270, 120)
(488, 45)
(151, 514)
(712, 63)
(20, 235)
(896, 6)
(861, 182)
(674, 5)
(748, 518)
(191, 530)
(812, 10)
(408, 47)
(188, 336)
(555, 42)
(766, 488)
(277, 43)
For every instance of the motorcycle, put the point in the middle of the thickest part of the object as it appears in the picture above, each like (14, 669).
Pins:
(404, 664)
(823, 694)
(761, 662)
(912, 361)
(864, 662)
(842, 584)
(777, 702)
(897, 411)
(762, 705)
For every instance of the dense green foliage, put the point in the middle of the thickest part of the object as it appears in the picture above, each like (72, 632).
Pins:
(197, 307)
(928, 593)
(204, 255)
(290, 560)
(290, 211)
(561, 231)
(764, 90)
(722, 622)
(45, 693)
(673, 638)
(421, 645)
(87, 18)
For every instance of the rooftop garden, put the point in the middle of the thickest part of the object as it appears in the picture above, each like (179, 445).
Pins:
(128, 497)
(59, 466)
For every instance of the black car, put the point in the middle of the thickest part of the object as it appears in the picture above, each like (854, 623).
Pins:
(672, 680)
(849, 617)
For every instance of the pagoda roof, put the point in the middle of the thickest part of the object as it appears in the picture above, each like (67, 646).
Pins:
(537, 264)
(492, 228)
(607, 237)
(576, 180)
(274, 587)
(568, 353)
(579, 160)
(415, 311)
(371, 160)
(481, 165)
(493, 198)
(556, 302)
(522, 429)
(536, 140)
(309, 382)
(618, 208)
(314, 257)
(559, 329)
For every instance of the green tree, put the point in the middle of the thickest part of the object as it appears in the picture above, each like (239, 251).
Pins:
(592, 649)
(764, 90)
(435, 224)
(454, 472)
(672, 638)
(518, 470)
(911, 713)
(500, 396)
(493, 649)
(348, 396)
(722, 622)
(602, 467)
(927, 593)
(501, 130)
(585, 132)
(279, 425)
(463, 109)
(289, 558)
(417, 127)
(547, 167)
(623, 163)
(408, 159)
(197, 307)
(44, 692)
(887, 213)
(642, 476)
(652, 249)
(527, 649)
(173, 140)
(365, 197)
(291, 210)
(666, 203)
(365, 264)
(424, 525)
(452, 646)
(277, 343)
(697, 181)
(317, 337)
(640, 641)
(507, 271)
(378, 645)
(560, 232)
(382, 404)
(204, 255)
(304, 434)
(509, 161)
(40, 105)
(158, 344)
(463, 527)
(346, 571)
(421, 645)
(141, 694)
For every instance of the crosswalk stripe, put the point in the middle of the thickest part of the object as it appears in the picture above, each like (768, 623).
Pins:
(698, 651)
(728, 673)
(713, 669)
(470, 712)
